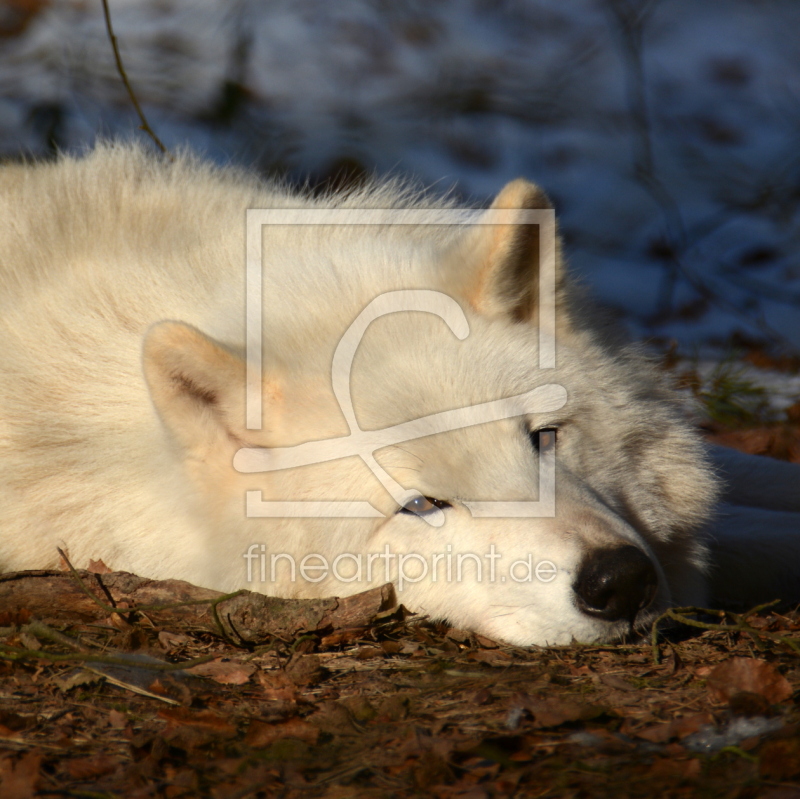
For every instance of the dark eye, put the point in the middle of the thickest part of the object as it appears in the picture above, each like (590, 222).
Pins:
(544, 439)
(420, 505)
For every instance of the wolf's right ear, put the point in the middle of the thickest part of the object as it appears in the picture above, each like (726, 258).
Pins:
(496, 267)
(198, 388)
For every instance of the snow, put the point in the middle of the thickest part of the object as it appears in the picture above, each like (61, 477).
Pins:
(665, 132)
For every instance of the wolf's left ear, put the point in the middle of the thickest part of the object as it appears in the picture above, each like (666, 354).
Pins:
(197, 386)
(496, 266)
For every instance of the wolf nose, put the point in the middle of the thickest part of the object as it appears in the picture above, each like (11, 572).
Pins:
(614, 584)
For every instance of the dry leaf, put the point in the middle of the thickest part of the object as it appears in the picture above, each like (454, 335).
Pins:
(459, 636)
(75, 678)
(748, 674)
(224, 671)
(369, 652)
(261, 734)
(552, 711)
(674, 768)
(19, 777)
(343, 637)
(617, 681)
(306, 670)
(117, 719)
(86, 768)
(15, 618)
(780, 760)
(201, 719)
(277, 686)
(334, 718)
(170, 641)
(483, 697)
(492, 657)
(678, 728)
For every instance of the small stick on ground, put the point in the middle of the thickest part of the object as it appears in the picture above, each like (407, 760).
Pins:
(739, 624)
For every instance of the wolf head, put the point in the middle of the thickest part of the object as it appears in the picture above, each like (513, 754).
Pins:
(398, 482)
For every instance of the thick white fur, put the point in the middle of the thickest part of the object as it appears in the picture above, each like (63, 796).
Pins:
(122, 398)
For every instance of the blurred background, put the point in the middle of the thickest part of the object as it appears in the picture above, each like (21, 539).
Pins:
(666, 132)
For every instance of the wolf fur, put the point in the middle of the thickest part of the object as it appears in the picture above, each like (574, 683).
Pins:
(122, 405)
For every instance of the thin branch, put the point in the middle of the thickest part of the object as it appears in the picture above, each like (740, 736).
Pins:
(145, 125)
(739, 624)
(17, 654)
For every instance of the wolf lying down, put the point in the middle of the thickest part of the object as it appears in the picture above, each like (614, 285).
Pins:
(397, 414)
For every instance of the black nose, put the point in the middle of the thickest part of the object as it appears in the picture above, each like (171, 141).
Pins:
(614, 584)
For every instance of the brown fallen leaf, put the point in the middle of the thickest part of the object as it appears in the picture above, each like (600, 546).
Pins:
(224, 671)
(675, 768)
(261, 734)
(483, 697)
(342, 637)
(277, 686)
(677, 728)
(19, 776)
(15, 618)
(369, 652)
(432, 769)
(552, 711)
(86, 768)
(202, 719)
(170, 641)
(334, 718)
(458, 635)
(98, 567)
(746, 703)
(780, 760)
(748, 674)
(617, 681)
(117, 719)
(359, 707)
(306, 670)
(492, 657)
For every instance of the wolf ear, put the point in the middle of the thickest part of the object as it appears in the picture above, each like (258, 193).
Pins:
(496, 266)
(197, 387)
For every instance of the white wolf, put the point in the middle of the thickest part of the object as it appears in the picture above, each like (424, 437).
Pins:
(123, 407)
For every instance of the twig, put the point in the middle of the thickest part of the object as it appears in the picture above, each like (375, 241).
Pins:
(145, 126)
(15, 653)
(683, 616)
(39, 629)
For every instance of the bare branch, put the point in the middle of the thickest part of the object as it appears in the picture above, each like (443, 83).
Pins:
(145, 126)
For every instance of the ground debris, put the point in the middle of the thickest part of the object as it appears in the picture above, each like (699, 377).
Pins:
(429, 710)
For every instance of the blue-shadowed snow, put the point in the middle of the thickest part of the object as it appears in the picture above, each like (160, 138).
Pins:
(665, 132)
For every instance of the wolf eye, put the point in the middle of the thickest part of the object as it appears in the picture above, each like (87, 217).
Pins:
(544, 439)
(420, 505)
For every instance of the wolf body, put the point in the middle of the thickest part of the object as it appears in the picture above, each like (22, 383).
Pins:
(124, 427)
